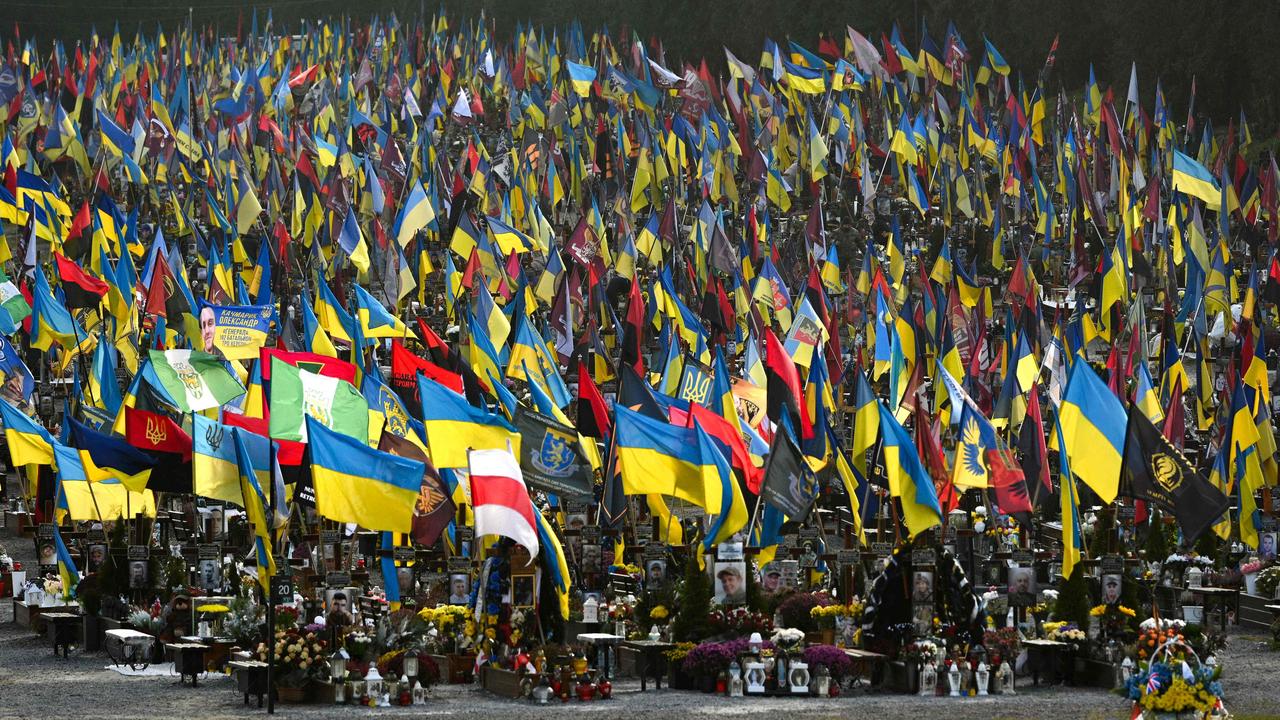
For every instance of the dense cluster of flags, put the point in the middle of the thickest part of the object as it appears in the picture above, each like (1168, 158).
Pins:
(248, 227)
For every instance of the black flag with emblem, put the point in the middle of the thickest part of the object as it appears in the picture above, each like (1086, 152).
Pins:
(789, 484)
(1155, 470)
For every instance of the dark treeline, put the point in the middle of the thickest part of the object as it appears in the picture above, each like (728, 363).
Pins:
(1230, 48)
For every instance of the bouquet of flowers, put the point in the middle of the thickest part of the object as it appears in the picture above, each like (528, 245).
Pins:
(737, 622)
(242, 621)
(53, 586)
(1003, 642)
(920, 651)
(359, 646)
(658, 613)
(1114, 619)
(299, 657)
(787, 639)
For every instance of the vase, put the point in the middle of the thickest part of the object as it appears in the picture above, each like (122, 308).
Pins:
(1251, 583)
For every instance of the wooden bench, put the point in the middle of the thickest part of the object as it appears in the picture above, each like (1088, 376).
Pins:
(251, 678)
(129, 647)
(869, 663)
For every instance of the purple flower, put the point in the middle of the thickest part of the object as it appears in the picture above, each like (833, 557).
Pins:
(835, 659)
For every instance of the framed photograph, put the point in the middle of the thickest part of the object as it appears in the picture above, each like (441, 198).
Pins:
(522, 594)
(1267, 546)
(922, 587)
(210, 572)
(341, 608)
(771, 578)
(655, 573)
(48, 554)
(404, 576)
(591, 558)
(576, 522)
(459, 589)
(790, 574)
(138, 574)
(96, 555)
(1111, 585)
(731, 586)
(1022, 586)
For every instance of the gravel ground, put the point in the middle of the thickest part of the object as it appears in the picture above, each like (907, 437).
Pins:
(35, 684)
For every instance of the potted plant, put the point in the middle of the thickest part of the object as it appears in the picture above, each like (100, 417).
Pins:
(831, 659)
(1268, 582)
(677, 679)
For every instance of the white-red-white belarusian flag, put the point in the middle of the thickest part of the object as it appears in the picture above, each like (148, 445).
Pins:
(499, 498)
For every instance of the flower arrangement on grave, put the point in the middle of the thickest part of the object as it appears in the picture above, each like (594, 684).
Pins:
(299, 658)
(1002, 643)
(709, 659)
(242, 619)
(827, 615)
(391, 665)
(52, 586)
(359, 646)
(658, 613)
(796, 611)
(678, 652)
(831, 657)
(1174, 681)
(737, 622)
(919, 651)
(1065, 631)
(787, 639)
(1267, 581)
(286, 616)
(1114, 620)
(148, 621)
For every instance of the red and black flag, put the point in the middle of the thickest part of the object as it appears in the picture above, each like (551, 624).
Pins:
(593, 413)
(81, 290)
(633, 328)
(784, 385)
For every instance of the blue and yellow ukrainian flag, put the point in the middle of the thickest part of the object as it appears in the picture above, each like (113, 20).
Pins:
(1071, 538)
(1093, 427)
(332, 317)
(453, 426)
(355, 483)
(375, 321)
(215, 470)
(29, 444)
(554, 564)
(316, 339)
(255, 503)
(581, 77)
(66, 565)
(416, 214)
(658, 458)
(1192, 178)
(106, 456)
(908, 480)
(51, 322)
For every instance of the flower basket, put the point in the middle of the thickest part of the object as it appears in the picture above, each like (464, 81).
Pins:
(1175, 684)
(292, 695)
